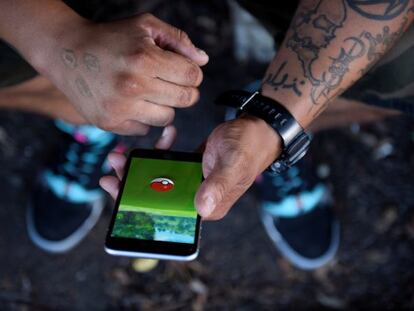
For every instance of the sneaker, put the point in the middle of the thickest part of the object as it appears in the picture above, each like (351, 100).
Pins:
(67, 201)
(297, 214)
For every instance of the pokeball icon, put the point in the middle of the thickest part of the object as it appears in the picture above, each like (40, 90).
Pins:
(162, 184)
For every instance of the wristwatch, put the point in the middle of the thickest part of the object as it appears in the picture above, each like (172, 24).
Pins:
(295, 141)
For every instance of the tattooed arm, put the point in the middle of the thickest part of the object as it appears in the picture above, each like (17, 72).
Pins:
(329, 45)
(122, 76)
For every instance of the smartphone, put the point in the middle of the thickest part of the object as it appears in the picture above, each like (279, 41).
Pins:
(154, 214)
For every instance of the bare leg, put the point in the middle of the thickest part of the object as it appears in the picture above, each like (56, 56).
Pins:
(39, 95)
(342, 112)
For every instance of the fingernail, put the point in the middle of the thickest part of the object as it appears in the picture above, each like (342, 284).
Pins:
(110, 160)
(201, 52)
(165, 132)
(208, 206)
(114, 160)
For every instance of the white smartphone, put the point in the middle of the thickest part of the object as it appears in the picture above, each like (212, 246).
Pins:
(154, 215)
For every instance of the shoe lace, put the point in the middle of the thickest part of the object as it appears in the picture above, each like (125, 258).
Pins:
(289, 182)
(83, 162)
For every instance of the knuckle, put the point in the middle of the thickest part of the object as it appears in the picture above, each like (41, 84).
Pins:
(145, 18)
(168, 117)
(182, 35)
(244, 181)
(193, 97)
(194, 75)
(142, 59)
(185, 97)
(127, 85)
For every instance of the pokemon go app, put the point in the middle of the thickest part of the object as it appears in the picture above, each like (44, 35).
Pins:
(158, 201)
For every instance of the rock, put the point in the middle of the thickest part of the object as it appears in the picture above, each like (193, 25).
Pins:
(144, 265)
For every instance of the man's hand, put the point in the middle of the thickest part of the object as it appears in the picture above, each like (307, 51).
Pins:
(122, 76)
(236, 152)
(128, 75)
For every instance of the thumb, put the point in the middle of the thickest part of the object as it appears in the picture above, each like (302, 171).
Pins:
(210, 195)
(171, 38)
(220, 190)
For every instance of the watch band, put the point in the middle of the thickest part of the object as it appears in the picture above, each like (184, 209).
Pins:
(277, 116)
(294, 139)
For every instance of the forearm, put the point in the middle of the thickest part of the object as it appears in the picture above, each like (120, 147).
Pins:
(330, 45)
(34, 27)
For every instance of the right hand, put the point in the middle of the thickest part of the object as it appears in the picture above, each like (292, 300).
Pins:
(127, 75)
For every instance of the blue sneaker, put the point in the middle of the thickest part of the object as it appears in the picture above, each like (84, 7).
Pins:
(297, 214)
(67, 201)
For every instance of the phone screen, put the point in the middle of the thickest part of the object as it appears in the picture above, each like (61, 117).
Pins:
(157, 201)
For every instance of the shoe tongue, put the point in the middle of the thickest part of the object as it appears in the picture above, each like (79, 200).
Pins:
(70, 191)
(297, 204)
(85, 133)
(82, 162)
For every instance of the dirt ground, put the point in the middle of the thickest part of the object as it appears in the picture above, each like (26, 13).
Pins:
(238, 267)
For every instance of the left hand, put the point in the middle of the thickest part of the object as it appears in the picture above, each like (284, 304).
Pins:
(236, 153)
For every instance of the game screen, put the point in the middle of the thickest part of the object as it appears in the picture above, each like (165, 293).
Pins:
(158, 201)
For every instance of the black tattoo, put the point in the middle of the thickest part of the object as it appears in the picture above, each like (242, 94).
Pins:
(276, 82)
(382, 42)
(69, 58)
(91, 62)
(83, 87)
(313, 29)
(379, 9)
(325, 104)
(352, 49)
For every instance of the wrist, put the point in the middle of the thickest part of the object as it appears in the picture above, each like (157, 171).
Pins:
(296, 108)
(36, 29)
(57, 33)
(293, 141)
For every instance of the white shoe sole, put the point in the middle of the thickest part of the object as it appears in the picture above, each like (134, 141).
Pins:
(71, 241)
(294, 257)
